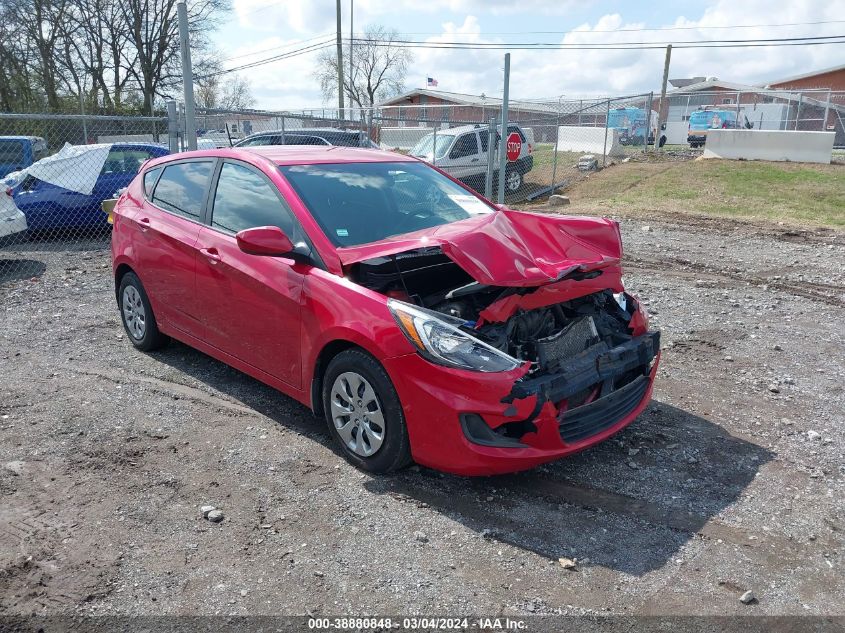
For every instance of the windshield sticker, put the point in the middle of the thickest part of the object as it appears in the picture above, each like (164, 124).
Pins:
(342, 233)
(470, 204)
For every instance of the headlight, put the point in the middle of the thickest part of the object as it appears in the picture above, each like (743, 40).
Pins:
(441, 342)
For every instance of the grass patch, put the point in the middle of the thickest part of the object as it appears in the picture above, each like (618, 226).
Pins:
(808, 195)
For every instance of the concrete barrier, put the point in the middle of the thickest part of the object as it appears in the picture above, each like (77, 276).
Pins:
(402, 137)
(589, 140)
(778, 145)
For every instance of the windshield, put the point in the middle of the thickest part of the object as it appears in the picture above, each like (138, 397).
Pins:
(358, 203)
(423, 147)
(11, 152)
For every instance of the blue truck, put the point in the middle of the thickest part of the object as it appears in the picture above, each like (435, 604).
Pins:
(635, 127)
(18, 152)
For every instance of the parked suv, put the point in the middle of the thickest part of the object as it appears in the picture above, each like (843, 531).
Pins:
(18, 152)
(315, 136)
(462, 153)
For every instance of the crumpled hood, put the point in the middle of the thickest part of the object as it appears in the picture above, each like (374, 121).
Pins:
(510, 248)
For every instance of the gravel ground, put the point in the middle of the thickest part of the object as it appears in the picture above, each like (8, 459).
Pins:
(732, 480)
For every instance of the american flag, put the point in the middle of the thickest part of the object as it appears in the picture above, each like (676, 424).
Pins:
(431, 82)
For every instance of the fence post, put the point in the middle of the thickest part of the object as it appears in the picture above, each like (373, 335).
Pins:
(491, 143)
(187, 75)
(503, 154)
(826, 110)
(172, 127)
(283, 129)
(648, 125)
(434, 146)
(84, 123)
(606, 123)
(738, 99)
(554, 160)
(798, 109)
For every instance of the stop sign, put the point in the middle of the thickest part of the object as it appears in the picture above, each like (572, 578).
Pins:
(514, 146)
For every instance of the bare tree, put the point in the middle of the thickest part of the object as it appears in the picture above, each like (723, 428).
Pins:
(379, 66)
(154, 33)
(234, 93)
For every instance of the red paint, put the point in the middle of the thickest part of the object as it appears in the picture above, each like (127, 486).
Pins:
(514, 146)
(264, 240)
(271, 317)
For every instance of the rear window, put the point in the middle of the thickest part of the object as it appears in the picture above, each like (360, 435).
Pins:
(11, 152)
(182, 188)
(150, 180)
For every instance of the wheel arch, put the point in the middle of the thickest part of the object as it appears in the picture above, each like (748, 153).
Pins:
(119, 273)
(325, 356)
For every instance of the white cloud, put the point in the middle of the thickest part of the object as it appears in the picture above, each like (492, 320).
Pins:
(536, 74)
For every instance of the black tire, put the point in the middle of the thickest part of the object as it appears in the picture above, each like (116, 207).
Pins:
(394, 452)
(149, 337)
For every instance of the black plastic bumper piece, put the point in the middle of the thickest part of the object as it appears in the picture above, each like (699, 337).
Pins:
(592, 366)
(599, 415)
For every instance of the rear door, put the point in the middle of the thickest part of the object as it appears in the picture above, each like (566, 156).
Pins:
(465, 157)
(165, 230)
(250, 305)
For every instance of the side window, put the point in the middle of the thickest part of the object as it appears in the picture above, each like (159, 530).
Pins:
(484, 135)
(244, 199)
(181, 188)
(150, 178)
(466, 145)
(513, 128)
(124, 161)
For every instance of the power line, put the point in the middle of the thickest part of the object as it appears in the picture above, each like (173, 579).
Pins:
(276, 48)
(590, 45)
(638, 29)
(751, 43)
(294, 53)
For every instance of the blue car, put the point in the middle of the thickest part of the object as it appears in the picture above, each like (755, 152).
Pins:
(19, 152)
(48, 205)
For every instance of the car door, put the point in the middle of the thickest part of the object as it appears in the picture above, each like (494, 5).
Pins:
(464, 157)
(250, 304)
(165, 230)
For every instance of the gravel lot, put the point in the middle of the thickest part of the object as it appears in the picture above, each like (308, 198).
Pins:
(732, 480)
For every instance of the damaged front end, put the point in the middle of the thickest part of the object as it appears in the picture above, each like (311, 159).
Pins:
(575, 347)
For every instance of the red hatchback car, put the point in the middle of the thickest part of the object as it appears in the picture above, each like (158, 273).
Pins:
(422, 321)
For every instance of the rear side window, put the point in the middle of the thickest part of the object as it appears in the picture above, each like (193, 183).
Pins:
(11, 152)
(244, 199)
(484, 135)
(182, 187)
(150, 180)
(466, 145)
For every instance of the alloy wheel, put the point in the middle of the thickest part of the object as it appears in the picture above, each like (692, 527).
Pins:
(357, 414)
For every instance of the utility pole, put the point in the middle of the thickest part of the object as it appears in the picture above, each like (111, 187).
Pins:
(351, 37)
(339, 66)
(662, 94)
(187, 76)
(503, 135)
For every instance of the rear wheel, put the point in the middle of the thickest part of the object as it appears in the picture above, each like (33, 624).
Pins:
(513, 181)
(364, 413)
(137, 315)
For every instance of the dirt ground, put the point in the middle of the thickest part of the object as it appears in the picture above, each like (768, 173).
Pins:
(732, 480)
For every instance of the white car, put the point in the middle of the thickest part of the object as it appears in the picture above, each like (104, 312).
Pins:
(12, 220)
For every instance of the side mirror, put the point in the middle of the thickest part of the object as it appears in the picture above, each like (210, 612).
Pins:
(662, 126)
(264, 240)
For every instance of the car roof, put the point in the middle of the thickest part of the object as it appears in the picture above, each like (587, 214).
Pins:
(298, 154)
(473, 127)
(311, 131)
(21, 138)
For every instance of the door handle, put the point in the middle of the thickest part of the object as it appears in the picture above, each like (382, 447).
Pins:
(211, 254)
(145, 224)
(474, 160)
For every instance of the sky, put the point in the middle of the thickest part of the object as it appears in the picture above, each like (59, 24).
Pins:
(258, 29)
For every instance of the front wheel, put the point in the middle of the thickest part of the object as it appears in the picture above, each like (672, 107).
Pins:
(364, 413)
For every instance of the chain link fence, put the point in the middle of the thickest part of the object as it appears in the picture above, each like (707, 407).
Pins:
(55, 170)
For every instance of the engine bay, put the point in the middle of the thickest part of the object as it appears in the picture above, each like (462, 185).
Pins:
(545, 336)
